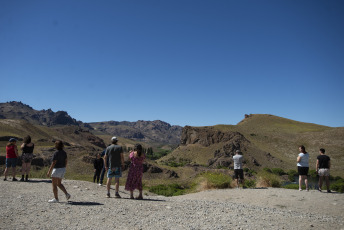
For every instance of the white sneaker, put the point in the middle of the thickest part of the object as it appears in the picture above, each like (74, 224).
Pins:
(68, 196)
(100, 184)
(53, 201)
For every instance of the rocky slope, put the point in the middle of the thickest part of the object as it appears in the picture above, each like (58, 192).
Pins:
(19, 111)
(145, 131)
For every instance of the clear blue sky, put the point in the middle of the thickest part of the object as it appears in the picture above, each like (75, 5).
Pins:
(184, 62)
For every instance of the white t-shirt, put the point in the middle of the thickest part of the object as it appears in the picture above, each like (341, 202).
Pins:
(238, 161)
(304, 162)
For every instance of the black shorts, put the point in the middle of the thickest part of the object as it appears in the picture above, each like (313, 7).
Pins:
(239, 173)
(303, 171)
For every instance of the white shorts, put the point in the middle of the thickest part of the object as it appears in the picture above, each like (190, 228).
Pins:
(58, 172)
(324, 172)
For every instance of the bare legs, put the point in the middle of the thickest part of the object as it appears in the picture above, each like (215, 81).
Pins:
(57, 183)
(13, 172)
(108, 184)
(327, 181)
(305, 178)
(26, 170)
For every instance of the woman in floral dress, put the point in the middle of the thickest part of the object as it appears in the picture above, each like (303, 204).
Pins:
(134, 180)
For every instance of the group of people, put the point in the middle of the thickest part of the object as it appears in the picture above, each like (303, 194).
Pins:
(323, 165)
(12, 158)
(112, 162)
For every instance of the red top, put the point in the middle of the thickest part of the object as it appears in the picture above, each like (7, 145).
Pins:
(10, 153)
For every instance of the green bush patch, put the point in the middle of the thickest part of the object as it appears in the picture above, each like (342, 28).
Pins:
(168, 190)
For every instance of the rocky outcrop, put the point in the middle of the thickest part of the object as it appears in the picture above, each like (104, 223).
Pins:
(20, 111)
(145, 131)
(207, 136)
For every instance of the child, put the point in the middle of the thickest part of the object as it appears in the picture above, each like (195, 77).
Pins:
(134, 180)
(58, 170)
(11, 158)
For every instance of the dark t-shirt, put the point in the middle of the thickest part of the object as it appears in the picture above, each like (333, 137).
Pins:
(60, 156)
(113, 152)
(27, 149)
(323, 161)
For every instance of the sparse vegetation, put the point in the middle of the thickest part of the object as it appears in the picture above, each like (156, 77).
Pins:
(168, 190)
(250, 183)
(292, 174)
(338, 185)
(268, 179)
(173, 162)
(158, 154)
(278, 171)
(216, 180)
(250, 172)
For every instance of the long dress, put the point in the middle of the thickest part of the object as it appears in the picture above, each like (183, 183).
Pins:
(134, 180)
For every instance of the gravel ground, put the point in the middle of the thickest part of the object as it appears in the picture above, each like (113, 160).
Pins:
(24, 206)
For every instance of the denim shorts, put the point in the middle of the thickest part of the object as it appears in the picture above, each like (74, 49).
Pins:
(11, 162)
(116, 173)
(58, 172)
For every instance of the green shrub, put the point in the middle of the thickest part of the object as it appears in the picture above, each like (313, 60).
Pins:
(267, 170)
(269, 179)
(167, 190)
(293, 186)
(250, 183)
(292, 174)
(278, 171)
(173, 162)
(312, 173)
(338, 178)
(338, 186)
(217, 180)
(249, 172)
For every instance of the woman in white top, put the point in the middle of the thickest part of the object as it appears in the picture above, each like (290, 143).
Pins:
(303, 166)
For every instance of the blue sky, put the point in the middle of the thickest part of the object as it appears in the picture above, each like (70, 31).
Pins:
(185, 62)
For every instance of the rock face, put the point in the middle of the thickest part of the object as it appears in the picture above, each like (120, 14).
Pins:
(229, 143)
(146, 131)
(207, 136)
(19, 111)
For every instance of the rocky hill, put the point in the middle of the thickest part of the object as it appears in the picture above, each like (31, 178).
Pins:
(145, 131)
(19, 111)
(265, 140)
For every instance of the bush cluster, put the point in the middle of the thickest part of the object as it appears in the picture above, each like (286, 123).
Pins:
(168, 190)
(217, 180)
(269, 179)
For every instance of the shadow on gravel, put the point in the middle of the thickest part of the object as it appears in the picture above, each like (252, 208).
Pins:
(83, 203)
(144, 199)
(39, 181)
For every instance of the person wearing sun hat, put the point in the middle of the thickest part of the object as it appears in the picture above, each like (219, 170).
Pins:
(11, 158)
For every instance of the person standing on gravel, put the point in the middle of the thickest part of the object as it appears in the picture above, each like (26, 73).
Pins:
(323, 169)
(134, 180)
(303, 167)
(238, 170)
(27, 156)
(11, 158)
(57, 171)
(114, 166)
(98, 165)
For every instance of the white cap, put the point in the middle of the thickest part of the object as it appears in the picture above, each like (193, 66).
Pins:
(114, 139)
